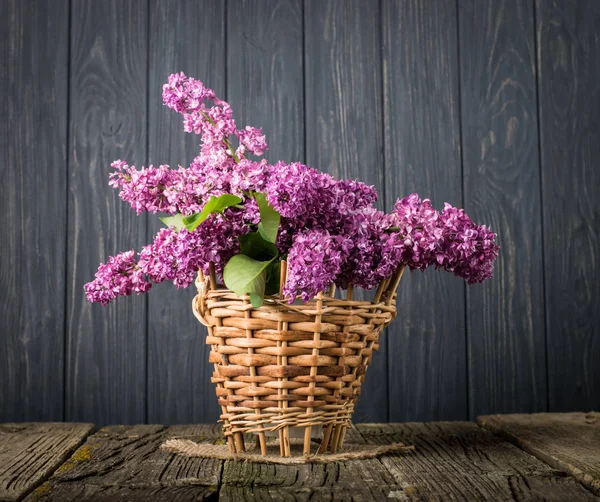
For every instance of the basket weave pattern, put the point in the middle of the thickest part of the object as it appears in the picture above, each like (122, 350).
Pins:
(281, 366)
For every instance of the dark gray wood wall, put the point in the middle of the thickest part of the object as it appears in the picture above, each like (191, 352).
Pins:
(490, 104)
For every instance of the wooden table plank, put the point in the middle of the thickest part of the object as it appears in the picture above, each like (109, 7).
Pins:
(30, 452)
(76, 492)
(351, 480)
(126, 462)
(566, 441)
(460, 461)
(452, 461)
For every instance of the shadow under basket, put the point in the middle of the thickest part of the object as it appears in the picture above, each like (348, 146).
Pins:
(290, 370)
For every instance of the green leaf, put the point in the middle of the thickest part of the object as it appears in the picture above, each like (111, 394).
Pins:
(174, 221)
(273, 271)
(269, 218)
(256, 247)
(214, 205)
(256, 300)
(243, 274)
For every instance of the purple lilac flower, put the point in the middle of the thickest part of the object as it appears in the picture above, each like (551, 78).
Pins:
(351, 195)
(249, 175)
(309, 198)
(161, 189)
(418, 224)
(178, 255)
(215, 123)
(173, 256)
(314, 261)
(449, 239)
(288, 228)
(466, 249)
(374, 254)
(143, 189)
(120, 276)
(185, 95)
(292, 188)
(252, 140)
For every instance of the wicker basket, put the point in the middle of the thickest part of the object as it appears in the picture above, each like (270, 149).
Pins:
(282, 366)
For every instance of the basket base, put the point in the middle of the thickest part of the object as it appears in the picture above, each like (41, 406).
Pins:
(327, 438)
(350, 451)
(298, 433)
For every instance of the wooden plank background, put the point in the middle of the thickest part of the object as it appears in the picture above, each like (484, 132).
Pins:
(491, 104)
(427, 342)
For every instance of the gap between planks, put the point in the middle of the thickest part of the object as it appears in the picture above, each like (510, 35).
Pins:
(31, 452)
(569, 442)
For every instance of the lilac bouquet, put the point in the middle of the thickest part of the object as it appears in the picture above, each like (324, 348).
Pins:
(244, 215)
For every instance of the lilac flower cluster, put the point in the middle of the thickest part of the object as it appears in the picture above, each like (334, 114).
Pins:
(418, 225)
(367, 246)
(329, 231)
(120, 276)
(178, 255)
(215, 123)
(173, 256)
(315, 261)
(467, 249)
(448, 239)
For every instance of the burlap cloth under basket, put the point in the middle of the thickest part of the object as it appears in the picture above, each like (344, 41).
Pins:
(282, 366)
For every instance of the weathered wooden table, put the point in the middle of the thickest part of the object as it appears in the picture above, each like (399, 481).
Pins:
(502, 457)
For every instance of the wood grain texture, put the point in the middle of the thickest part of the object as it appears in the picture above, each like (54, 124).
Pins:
(264, 72)
(365, 479)
(568, 35)
(351, 480)
(30, 452)
(33, 142)
(505, 315)
(126, 463)
(426, 343)
(460, 461)
(75, 492)
(187, 36)
(108, 83)
(344, 134)
(566, 441)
